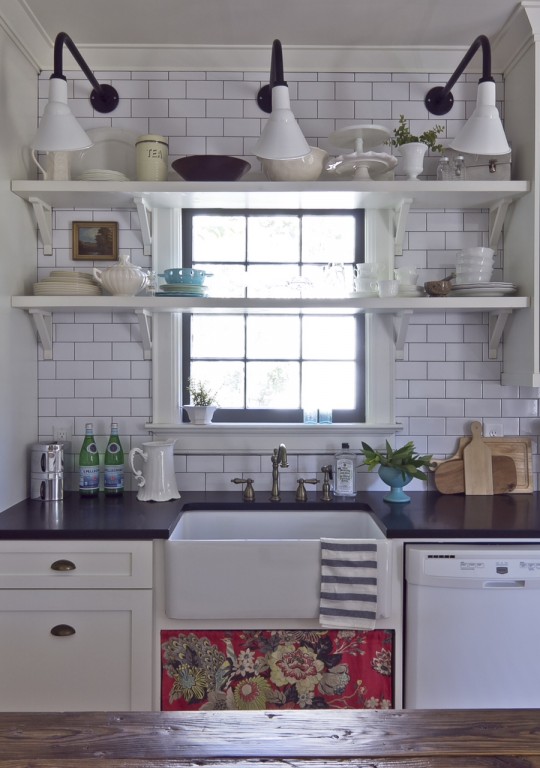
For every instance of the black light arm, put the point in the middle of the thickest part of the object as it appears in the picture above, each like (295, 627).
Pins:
(104, 97)
(264, 97)
(439, 100)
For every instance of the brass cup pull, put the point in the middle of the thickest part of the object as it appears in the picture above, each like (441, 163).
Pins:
(63, 565)
(62, 630)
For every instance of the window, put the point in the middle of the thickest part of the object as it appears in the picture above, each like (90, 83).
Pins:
(269, 367)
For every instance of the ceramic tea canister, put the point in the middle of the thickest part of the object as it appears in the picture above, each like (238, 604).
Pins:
(124, 279)
(152, 158)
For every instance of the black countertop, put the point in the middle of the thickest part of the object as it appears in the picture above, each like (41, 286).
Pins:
(428, 515)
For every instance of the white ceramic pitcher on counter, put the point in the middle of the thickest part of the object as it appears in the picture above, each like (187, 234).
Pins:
(157, 481)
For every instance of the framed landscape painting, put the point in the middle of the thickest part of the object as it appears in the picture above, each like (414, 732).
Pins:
(95, 240)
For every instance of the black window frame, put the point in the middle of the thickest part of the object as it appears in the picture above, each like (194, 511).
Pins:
(273, 415)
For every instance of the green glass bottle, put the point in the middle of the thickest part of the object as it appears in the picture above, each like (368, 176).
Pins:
(114, 464)
(89, 464)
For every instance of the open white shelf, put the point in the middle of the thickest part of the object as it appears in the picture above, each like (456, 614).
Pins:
(399, 196)
(42, 307)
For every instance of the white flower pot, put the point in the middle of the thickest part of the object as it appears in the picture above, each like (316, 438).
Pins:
(413, 158)
(200, 414)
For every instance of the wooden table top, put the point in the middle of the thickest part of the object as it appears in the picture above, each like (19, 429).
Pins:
(272, 739)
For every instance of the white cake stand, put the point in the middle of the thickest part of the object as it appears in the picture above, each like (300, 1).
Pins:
(359, 138)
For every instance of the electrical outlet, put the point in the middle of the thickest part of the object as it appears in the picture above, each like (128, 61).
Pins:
(62, 434)
(493, 429)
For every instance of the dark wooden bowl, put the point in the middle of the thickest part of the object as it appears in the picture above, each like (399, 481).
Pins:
(211, 167)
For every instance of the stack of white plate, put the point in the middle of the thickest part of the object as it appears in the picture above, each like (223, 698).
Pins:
(484, 289)
(63, 282)
(179, 289)
(101, 174)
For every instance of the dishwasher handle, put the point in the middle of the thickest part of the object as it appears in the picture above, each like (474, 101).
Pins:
(503, 584)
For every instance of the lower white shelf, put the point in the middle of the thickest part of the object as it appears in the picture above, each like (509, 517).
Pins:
(41, 309)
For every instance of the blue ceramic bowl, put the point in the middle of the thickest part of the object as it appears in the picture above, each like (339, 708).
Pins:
(184, 276)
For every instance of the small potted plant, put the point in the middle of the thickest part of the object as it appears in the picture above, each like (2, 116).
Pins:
(413, 148)
(203, 402)
(396, 467)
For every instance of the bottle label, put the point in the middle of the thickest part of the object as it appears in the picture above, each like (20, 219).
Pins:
(114, 478)
(344, 477)
(113, 448)
(89, 477)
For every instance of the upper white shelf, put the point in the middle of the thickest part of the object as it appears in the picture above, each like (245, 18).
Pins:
(264, 194)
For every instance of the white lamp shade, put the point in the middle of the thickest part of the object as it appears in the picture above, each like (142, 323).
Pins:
(483, 133)
(58, 128)
(281, 138)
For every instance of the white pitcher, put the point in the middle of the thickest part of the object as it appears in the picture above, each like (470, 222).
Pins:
(159, 481)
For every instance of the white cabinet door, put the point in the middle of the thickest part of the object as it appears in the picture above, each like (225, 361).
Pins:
(103, 662)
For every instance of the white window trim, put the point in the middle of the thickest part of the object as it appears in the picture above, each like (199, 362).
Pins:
(223, 438)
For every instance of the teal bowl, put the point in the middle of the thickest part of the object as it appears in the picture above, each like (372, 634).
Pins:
(184, 276)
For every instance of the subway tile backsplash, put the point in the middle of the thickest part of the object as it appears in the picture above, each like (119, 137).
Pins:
(446, 378)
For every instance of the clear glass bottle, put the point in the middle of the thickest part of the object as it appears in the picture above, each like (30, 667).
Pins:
(89, 464)
(114, 464)
(345, 472)
(443, 169)
(459, 170)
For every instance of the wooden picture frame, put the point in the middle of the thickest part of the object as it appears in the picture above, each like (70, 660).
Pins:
(95, 240)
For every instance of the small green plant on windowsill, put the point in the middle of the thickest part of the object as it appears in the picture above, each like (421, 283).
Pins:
(402, 135)
(406, 459)
(200, 393)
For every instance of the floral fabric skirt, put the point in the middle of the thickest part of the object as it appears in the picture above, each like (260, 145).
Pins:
(276, 669)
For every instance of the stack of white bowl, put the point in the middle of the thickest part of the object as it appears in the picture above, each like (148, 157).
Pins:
(474, 265)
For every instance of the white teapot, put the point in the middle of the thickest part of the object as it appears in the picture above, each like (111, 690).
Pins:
(124, 279)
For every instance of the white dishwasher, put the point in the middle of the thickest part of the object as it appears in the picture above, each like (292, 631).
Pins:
(472, 626)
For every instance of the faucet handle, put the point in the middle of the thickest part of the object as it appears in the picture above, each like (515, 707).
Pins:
(301, 494)
(249, 492)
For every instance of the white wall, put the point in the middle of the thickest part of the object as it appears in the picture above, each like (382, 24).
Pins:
(446, 379)
(18, 378)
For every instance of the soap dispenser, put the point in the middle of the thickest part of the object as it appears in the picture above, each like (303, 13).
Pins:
(345, 472)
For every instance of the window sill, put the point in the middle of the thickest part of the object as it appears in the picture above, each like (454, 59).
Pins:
(244, 439)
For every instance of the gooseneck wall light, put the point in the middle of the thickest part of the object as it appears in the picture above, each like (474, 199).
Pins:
(58, 129)
(483, 133)
(281, 137)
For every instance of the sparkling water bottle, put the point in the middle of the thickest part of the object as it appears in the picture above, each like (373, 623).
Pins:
(114, 464)
(89, 464)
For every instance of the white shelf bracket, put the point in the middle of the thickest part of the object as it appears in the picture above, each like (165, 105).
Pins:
(145, 220)
(497, 215)
(43, 214)
(497, 321)
(400, 220)
(43, 325)
(402, 326)
(143, 316)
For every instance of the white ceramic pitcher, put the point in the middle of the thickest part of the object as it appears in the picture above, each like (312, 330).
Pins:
(158, 482)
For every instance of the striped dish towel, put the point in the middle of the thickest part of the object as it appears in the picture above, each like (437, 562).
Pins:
(348, 584)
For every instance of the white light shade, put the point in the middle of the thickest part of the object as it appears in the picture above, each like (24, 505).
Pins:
(281, 138)
(483, 133)
(58, 128)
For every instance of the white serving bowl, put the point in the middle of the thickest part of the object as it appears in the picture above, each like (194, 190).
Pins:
(479, 250)
(472, 277)
(307, 168)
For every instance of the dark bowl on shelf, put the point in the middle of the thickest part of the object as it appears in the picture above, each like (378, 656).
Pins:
(210, 167)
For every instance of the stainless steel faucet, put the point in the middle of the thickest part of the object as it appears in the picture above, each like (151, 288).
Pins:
(279, 458)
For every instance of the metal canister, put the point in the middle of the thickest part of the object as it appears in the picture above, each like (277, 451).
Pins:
(47, 458)
(152, 157)
(47, 486)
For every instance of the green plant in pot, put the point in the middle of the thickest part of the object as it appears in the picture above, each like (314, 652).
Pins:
(413, 148)
(203, 402)
(397, 467)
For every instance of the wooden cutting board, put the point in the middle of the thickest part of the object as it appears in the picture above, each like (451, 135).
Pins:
(477, 464)
(519, 449)
(449, 476)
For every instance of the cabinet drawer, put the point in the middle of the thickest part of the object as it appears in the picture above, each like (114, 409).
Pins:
(67, 650)
(75, 564)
